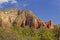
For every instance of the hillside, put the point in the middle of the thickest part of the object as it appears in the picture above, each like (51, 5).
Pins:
(16, 24)
(21, 18)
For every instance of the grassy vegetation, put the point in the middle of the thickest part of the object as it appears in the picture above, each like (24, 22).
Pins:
(26, 33)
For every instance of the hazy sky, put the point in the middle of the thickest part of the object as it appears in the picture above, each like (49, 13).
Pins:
(44, 9)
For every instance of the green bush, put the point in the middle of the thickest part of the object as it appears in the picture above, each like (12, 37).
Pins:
(27, 33)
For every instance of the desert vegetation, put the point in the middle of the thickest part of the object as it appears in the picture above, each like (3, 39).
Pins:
(27, 33)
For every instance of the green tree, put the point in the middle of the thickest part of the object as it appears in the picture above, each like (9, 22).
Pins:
(45, 34)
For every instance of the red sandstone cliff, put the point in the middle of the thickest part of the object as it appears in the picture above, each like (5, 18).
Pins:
(22, 18)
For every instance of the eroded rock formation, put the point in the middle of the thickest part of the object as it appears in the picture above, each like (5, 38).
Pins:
(50, 25)
(22, 18)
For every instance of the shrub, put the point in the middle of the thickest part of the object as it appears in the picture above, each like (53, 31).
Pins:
(27, 33)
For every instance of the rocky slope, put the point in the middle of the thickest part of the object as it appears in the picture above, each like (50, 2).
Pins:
(22, 18)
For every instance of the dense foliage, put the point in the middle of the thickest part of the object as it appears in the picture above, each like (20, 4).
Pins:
(26, 33)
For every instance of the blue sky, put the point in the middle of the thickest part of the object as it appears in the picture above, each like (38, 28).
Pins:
(43, 9)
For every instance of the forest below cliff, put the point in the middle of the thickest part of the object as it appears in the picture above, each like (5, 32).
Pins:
(27, 33)
(18, 24)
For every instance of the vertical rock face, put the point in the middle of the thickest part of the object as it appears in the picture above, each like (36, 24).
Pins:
(35, 23)
(50, 25)
(42, 23)
(4, 17)
(7, 17)
(22, 18)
